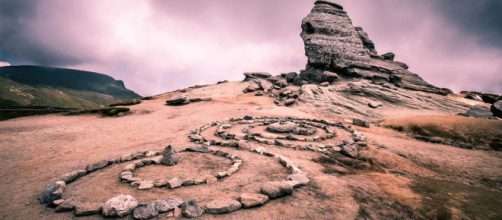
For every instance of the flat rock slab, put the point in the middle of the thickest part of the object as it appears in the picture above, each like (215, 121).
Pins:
(282, 127)
(277, 189)
(84, 209)
(222, 206)
(249, 200)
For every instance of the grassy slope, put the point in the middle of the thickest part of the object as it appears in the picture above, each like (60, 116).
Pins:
(13, 93)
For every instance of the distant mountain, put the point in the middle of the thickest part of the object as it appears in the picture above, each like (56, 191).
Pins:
(57, 87)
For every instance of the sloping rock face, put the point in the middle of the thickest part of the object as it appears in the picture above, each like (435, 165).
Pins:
(333, 44)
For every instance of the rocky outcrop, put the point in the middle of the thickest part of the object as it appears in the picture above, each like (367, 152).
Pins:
(333, 44)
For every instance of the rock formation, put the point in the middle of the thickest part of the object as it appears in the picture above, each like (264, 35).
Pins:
(333, 44)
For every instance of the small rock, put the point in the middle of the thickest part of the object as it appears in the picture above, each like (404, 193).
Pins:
(84, 209)
(282, 127)
(298, 179)
(145, 184)
(120, 206)
(65, 206)
(222, 206)
(388, 56)
(259, 93)
(126, 157)
(72, 176)
(160, 183)
(191, 209)
(175, 183)
(169, 156)
(188, 182)
(178, 100)
(52, 193)
(167, 204)
(324, 84)
(200, 149)
(251, 200)
(289, 102)
(361, 123)
(145, 211)
(375, 104)
(248, 117)
(99, 165)
(276, 189)
(350, 150)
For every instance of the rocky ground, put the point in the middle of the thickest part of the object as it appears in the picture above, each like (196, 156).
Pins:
(395, 176)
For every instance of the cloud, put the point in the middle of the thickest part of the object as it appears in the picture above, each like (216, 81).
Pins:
(3, 63)
(157, 46)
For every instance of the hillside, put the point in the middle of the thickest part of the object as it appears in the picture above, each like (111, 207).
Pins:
(46, 86)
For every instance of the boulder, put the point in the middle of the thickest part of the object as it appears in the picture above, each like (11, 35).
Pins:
(169, 156)
(178, 100)
(222, 206)
(276, 189)
(496, 109)
(119, 206)
(479, 111)
(191, 209)
(249, 200)
(52, 192)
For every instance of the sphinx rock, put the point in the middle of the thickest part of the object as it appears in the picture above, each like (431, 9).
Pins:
(333, 44)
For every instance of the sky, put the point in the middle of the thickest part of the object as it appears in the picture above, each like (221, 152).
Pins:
(157, 46)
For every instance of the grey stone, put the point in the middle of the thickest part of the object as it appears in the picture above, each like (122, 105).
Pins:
(119, 206)
(350, 150)
(361, 122)
(282, 127)
(145, 211)
(169, 156)
(52, 192)
(249, 200)
(72, 176)
(222, 206)
(276, 189)
(191, 209)
(200, 149)
(178, 100)
(99, 165)
(479, 111)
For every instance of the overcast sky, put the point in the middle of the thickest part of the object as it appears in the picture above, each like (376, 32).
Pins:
(160, 45)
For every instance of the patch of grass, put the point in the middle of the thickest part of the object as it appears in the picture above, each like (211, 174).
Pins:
(374, 206)
(440, 197)
(454, 130)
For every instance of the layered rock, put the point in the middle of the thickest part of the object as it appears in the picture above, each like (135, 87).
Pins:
(333, 44)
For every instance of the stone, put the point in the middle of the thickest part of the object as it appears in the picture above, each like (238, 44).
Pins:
(65, 206)
(150, 153)
(276, 189)
(265, 85)
(259, 93)
(174, 183)
(375, 104)
(99, 165)
(52, 192)
(169, 156)
(222, 206)
(388, 56)
(178, 100)
(167, 204)
(350, 150)
(119, 206)
(248, 117)
(145, 211)
(489, 98)
(249, 200)
(361, 122)
(191, 209)
(126, 157)
(290, 77)
(324, 84)
(298, 179)
(282, 127)
(160, 183)
(252, 87)
(89, 208)
(256, 75)
(496, 109)
(211, 180)
(73, 175)
(146, 184)
(199, 149)
(479, 111)
(289, 102)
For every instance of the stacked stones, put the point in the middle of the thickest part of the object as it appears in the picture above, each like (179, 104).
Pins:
(127, 175)
(275, 86)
